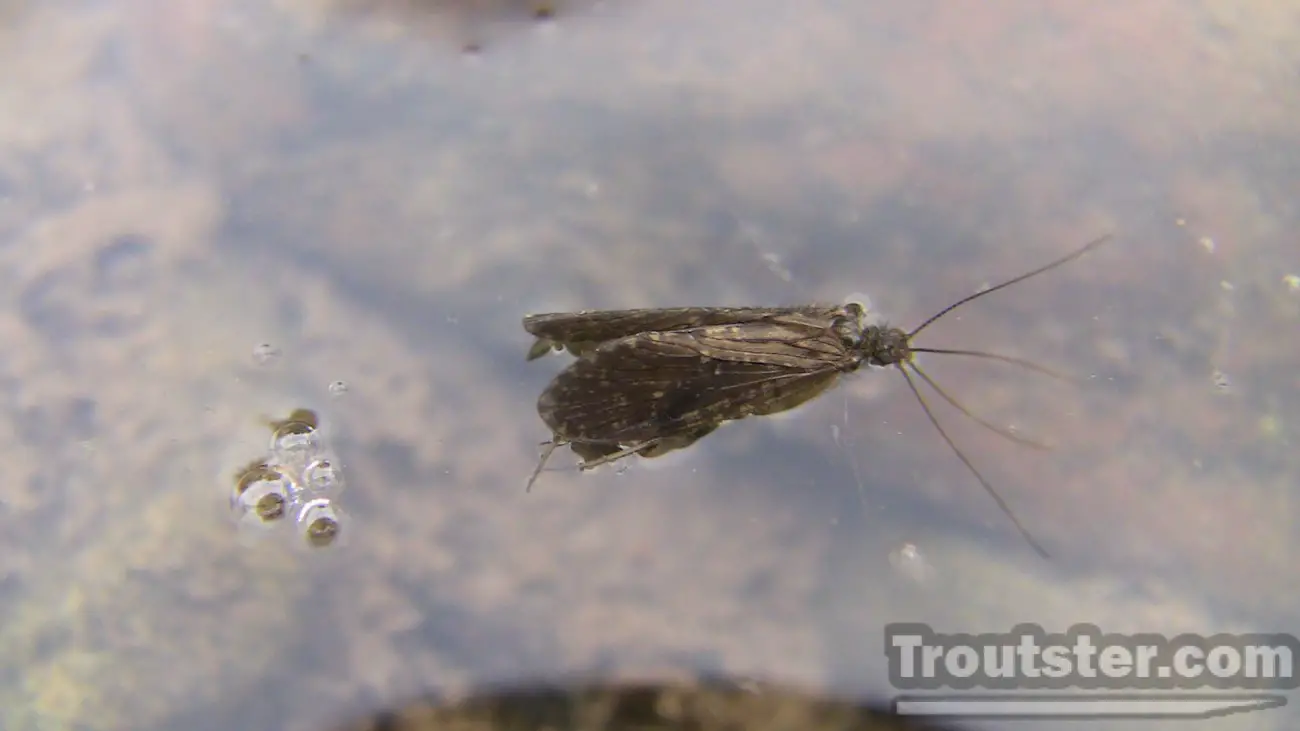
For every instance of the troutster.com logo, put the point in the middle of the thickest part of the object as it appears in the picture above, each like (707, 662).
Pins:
(1083, 672)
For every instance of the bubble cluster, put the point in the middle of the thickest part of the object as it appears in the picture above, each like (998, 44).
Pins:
(911, 563)
(296, 483)
(265, 354)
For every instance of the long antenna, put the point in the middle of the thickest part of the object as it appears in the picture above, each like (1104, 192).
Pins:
(1026, 364)
(1063, 260)
(1029, 538)
(1024, 441)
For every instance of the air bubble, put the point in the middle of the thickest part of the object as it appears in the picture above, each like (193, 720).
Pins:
(322, 477)
(338, 388)
(860, 298)
(262, 492)
(320, 524)
(265, 354)
(1220, 380)
(908, 561)
(295, 442)
(293, 485)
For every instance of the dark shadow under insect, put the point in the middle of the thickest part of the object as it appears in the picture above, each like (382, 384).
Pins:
(652, 381)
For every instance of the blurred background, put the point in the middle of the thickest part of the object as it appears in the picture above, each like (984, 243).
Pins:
(215, 212)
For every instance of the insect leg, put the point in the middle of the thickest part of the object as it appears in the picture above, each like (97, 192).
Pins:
(546, 454)
(541, 347)
(620, 454)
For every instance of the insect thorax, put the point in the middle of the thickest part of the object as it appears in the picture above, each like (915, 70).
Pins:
(882, 345)
(877, 345)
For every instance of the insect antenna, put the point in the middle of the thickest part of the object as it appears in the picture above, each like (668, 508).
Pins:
(903, 366)
(991, 427)
(1026, 364)
(1047, 267)
(1029, 538)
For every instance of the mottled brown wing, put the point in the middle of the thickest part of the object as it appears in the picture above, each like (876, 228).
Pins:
(683, 440)
(660, 384)
(595, 451)
(581, 332)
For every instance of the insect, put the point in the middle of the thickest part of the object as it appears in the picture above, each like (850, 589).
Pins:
(651, 381)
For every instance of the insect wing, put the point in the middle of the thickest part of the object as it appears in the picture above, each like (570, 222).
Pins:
(592, 451)
(605, 325)
(661, 384)
(679, 441)
(582, 332)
